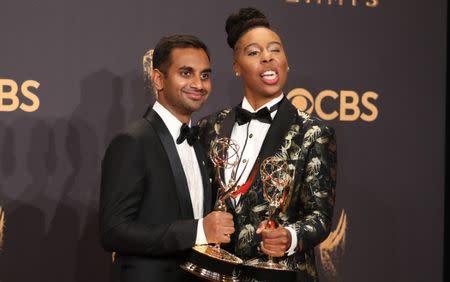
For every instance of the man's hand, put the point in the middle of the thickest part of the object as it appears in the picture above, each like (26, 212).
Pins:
(275, 242)
(218, 226)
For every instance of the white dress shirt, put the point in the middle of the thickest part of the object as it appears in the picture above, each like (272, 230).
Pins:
(190, 166)
(257, 132)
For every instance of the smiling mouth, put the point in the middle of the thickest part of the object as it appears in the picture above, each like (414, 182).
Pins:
(194, 95)
(269, 77)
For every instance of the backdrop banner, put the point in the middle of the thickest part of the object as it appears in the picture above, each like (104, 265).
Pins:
(71, 76)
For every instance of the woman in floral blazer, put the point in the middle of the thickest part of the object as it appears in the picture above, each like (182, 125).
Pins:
(304, 141)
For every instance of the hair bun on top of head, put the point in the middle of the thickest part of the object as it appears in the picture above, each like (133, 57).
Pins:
(240, 22)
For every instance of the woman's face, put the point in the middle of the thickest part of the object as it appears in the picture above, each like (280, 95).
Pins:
(260, 60)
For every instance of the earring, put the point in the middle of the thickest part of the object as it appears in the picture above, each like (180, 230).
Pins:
(237, 74)
(288, 68)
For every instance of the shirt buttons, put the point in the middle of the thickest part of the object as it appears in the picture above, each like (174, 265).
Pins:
(244, 161)
(250, 135)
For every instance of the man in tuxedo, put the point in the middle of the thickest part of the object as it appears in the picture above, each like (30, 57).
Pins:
(155, 191)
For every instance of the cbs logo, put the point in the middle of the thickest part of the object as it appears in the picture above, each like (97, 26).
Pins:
(9, 99)
(346, 105)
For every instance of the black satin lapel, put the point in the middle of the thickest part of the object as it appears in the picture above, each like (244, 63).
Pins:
(175, 163)
(283, 120)
(227, 124)
(201, 158)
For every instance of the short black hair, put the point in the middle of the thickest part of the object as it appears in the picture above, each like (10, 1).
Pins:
(238, 23)
(161, 54)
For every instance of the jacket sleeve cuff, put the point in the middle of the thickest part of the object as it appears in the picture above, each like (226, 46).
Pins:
(291, 249)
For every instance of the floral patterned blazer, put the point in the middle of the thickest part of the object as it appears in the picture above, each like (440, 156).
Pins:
(308, 145)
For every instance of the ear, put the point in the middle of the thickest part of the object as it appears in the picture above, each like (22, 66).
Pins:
(157, 79)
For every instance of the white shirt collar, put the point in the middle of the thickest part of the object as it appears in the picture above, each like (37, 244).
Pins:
(246, 105)
(171, 122)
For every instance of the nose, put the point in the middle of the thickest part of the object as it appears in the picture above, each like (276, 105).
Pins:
(196, 82)
(266, 56)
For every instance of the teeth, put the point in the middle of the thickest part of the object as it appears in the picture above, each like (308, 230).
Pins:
(269, 73)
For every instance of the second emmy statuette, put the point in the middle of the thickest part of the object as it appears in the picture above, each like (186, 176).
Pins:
(276, 178)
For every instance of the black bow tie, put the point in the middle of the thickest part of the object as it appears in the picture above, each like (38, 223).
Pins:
(188, 133)
(263, 115)
(244, 116)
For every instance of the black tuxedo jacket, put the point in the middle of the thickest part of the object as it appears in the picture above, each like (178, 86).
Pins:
(309, 147)
(146, 214)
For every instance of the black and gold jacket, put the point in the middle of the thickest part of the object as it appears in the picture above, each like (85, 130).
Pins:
(310, 147)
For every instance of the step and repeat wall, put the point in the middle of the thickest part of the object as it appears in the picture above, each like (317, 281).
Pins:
(71, 76)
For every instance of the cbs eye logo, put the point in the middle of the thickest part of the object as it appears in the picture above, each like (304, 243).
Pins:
(347, 105)
(10, 100)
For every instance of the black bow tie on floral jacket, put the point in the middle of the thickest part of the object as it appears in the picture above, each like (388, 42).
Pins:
(263, 115)
(188, 133)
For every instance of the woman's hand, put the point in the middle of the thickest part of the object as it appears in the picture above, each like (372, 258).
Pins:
(275, 242)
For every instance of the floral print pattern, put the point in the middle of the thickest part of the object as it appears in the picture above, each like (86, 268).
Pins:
(309, 146)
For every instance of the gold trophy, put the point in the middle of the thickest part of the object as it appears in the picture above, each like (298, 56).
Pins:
(210, 261)
(276, 177)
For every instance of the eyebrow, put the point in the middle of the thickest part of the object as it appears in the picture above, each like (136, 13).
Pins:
(256, 44)
(186, 68)
(191, 69)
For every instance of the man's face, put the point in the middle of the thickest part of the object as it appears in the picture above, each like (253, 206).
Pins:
(187, 83)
